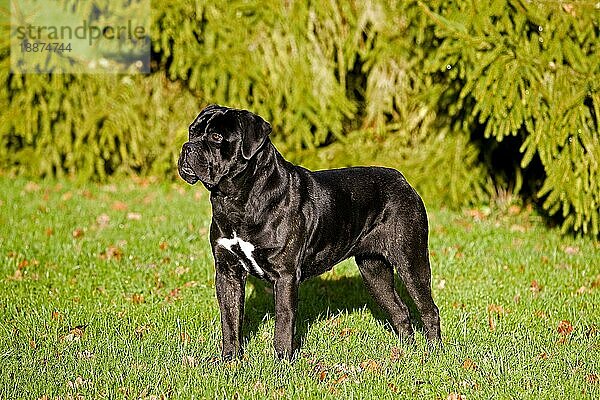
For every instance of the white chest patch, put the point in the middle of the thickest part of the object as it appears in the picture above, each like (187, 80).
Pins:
(247, 248)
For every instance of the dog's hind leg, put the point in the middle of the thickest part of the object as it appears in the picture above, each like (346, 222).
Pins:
(378, 276)
(414, 270)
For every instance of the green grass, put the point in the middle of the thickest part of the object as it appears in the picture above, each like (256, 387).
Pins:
(107, 291)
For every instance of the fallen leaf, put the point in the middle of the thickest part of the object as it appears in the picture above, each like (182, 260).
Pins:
(163, 245)
(543, 356)
(17, 276)
(185, 337)
(393, 387)
(137, 298)
(31, 187)
(494, 311)
(141, 330)
(119, 206)
(469, 364)
(149, 199)
(67, 196)
(77, 233)
(469, 385)
(78, 383)
(57, 316)
(571, 250)
(189, 361)
(134, 216)
(535, 287)
(341, 379)
(396, 354)
(346, 332)
(592, 378)
(49, 232)
(564, 327)
(491, 323)
(320, 370)
(569, 9)
(102, 220)
(78, 330)
(456, 396)
(514, 209)
(32, 344)
(370, 365)
(74, 334)
(477, 215)
(112, 253)
(322, 375)
(260, 387)
(518, 228)
(173, 295)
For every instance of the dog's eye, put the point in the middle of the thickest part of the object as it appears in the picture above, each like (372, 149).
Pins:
(216, 137)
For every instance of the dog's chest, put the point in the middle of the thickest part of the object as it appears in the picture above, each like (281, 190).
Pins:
(243, 250)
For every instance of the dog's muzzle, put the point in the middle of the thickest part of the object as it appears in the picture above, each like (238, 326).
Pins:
(193, 168)
(186, 171)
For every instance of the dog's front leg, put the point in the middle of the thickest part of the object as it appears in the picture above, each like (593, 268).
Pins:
(230, 287)
(286, 305)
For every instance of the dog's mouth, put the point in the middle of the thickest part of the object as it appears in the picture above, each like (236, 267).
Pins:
(190, 176)
(188, 171)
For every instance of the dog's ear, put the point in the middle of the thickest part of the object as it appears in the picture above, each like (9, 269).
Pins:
(255, 131)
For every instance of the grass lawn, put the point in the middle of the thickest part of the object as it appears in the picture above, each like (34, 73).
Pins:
(107, 291)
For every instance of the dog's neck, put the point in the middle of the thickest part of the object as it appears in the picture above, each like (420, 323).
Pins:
(246, 189)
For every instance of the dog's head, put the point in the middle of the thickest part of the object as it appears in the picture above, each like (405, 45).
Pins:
(221, 142)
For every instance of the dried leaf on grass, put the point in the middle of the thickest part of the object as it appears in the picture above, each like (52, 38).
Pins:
(564, 327)
(142, 330)
(119, 206)
(494, 312)
(112, 253)
(469, 364)
(189, 361)
(75, 334)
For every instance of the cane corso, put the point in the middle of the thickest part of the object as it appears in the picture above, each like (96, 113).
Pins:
(284, 224)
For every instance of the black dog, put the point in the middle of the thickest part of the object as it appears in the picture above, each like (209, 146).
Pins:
(285, 224)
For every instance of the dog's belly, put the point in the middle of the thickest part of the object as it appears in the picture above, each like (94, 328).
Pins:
(356, 210)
